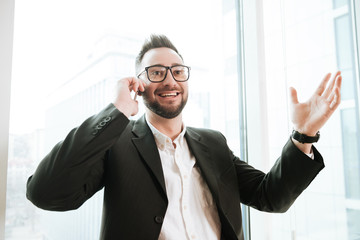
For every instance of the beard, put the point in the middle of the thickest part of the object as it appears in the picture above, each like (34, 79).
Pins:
(168, 112)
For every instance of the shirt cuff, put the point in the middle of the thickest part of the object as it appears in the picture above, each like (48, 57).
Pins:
(311, 154)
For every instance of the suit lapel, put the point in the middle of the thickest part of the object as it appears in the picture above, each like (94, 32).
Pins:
(145, 144)
(203, 160)
(211, 175)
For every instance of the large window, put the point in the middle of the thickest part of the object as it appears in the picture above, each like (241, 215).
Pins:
(244, 54)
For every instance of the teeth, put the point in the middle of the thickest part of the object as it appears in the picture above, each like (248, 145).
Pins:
(168, 94)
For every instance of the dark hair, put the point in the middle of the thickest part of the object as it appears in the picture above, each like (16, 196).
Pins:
(155, 41)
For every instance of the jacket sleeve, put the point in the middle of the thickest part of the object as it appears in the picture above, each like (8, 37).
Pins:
(278, 189)
(73, 171)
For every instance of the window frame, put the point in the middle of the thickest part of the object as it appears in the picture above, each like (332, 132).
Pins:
(355, 15)
(6, 44)
(239, 8)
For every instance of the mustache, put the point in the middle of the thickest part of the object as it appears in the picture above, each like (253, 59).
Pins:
(163, 89)
(168, 89)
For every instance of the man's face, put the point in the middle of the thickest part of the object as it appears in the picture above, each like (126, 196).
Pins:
(167, 98)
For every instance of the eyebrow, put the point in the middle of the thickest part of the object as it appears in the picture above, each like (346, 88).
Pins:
(163, 65)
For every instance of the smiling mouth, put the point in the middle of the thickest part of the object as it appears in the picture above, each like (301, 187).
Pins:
(169, 94)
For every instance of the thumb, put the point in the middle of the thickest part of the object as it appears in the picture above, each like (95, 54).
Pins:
(293, 96)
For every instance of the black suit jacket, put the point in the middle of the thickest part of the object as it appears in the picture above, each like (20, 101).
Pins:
(110, 151)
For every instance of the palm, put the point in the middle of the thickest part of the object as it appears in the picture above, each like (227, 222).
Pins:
(310, 116)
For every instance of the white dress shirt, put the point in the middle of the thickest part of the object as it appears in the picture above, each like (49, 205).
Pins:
(192, 212)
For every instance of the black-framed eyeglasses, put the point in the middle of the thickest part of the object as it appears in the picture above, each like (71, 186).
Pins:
(158, 73)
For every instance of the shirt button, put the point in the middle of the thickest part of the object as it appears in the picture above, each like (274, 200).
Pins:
(193, 236)
(185, 207)
(159, 219)
(185, 176)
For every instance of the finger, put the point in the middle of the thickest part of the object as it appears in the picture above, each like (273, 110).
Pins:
(135, 86)
(337, 86)
(142, 85)
(132, 80)
(293, 96)
(339, 82)
(330, 88)
(331, 97)
(335, 102)
(322, 85)
(335, 98)
(126, 83)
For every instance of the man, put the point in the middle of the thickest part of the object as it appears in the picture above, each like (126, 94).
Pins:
(164, 180)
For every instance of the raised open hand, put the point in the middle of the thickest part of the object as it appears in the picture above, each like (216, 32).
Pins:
(308, 117)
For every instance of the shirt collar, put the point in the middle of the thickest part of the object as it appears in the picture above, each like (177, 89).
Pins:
(163, 141)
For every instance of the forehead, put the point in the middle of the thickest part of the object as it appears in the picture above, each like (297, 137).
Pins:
(163, 56)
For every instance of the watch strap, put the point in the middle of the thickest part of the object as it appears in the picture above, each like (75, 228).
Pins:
(303, 138)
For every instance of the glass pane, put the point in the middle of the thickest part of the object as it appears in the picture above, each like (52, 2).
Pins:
(347, 89)
(353, 223)
(350, 152)
(344, 41)
(298, 42)
(68, 56)
(340, 3)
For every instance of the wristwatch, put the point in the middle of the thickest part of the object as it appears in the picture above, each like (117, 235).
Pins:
(303, 138)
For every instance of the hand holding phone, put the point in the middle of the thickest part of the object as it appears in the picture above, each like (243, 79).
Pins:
(126, 88)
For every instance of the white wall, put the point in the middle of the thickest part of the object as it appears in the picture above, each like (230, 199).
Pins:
(6, 42)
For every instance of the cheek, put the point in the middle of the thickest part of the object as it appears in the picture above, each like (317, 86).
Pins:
(150, 87)
(147, 93)
(185, 88)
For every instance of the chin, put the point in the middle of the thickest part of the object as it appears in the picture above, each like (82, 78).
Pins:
(165, 112)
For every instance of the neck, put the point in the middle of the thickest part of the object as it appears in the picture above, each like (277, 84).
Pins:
(170, 127)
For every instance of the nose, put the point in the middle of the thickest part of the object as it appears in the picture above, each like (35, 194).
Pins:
(169, 80)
